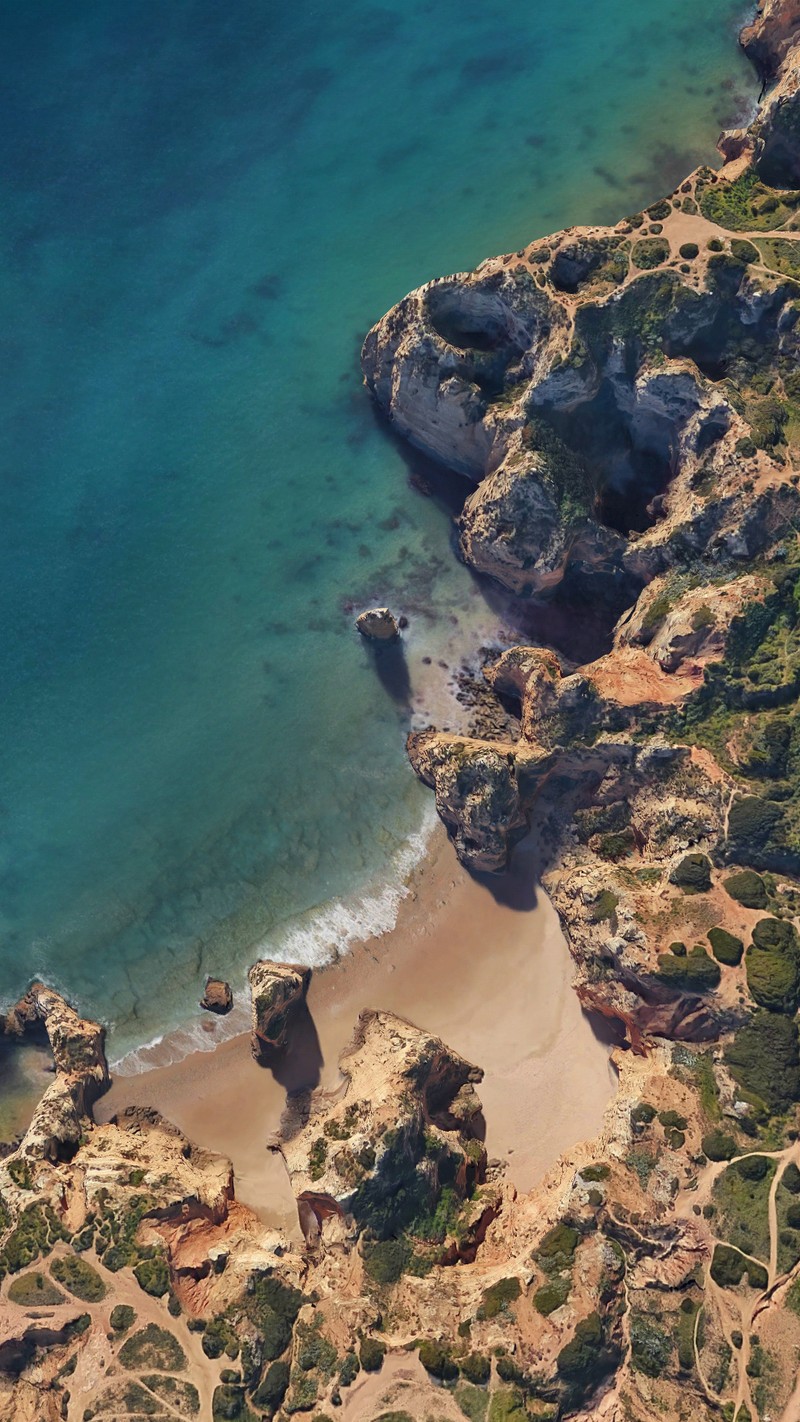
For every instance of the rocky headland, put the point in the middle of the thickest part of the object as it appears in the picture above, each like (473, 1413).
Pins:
(625, 404)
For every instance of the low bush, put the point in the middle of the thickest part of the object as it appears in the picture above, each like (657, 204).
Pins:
(79, 1277)
(697, 972)
(692, 874)
(765, 1061)
(672, 1120)
(552, 1294)
(152, 1347)
(272, 1389)
(436, 1359)
(152, 1275)
(729, 1267)
(498, 1296)
(744, 251)
(649, 252)
(747, 888)
(475, 1367)
(753, 1167)
(385, 1260)
(689, 250)
(651, 1345)
(726, 947)
(34, 1290)
(791, 1179)
(718, 1145)
(371, 1354)
(123, 1317)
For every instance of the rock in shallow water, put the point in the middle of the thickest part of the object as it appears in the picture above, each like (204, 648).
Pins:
(378, 624)
(217, 996)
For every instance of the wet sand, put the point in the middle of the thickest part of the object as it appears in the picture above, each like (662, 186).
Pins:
(484, 967)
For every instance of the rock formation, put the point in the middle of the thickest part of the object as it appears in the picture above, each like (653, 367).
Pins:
(378, 625)
(278, 990)
(217, 996)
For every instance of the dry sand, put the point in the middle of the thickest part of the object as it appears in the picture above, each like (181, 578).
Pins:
(485, 967)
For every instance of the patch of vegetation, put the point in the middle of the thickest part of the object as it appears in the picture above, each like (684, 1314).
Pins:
(122, 1318)
(565, 474)
(436, 1360)
(79, 1277)
(475, 1367)
(152, 1275)
(726, 947)
(649, 252)
(747, 888)
(604, 907)
(718, 1145)
(651, 1345)
(556, 1250)
(689, 250)
(473, 1401)
(182, 1396)
(228, 1404)
(35, 1233)
(595, 1173)
(498, 1297)
(386, 1259)
(272, 1389)
(586, 1359)
(745, 205)
(152, 1347)
(272, 1307)
(34, 1289)
(21, 1173)
(692, 874)
(744, 251)
(781, 256)
(371, 1354)
(763, 1059)
(220, 1337)
(729, 1267)
(741, 1195)
(552, 1294)
(696, 972)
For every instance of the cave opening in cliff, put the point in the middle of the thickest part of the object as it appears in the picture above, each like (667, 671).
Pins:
(628, 454)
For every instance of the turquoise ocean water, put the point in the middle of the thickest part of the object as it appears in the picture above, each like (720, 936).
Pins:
(205, 207)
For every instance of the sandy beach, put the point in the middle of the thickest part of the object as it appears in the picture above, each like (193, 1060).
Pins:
(484, 967)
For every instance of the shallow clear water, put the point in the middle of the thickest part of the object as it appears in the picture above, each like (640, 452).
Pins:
(205, 208)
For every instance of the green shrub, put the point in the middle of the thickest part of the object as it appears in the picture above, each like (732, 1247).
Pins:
(689, 250)
(651, 1345)
(728, 1268)
(718, 1145)
(498, 1296)
(34, 1290)
(747, 888)
(152, 1347)
(714, 245)
(604, 907)
(753, 825)
(775, 935)
(764, 1059)
(436, 1359)
(659, 210)
(697, 972)
(772, 980)
(726, 947)
(371, 1354)
(152, 1275)
(753, 1167)
(475, 1367)
(744, 251)
(643, 1113)
(692, 874)
(79, 1277)
(271, 1391)
(272, 1307)
(672, 1120)
(552, 1294)
(649, 252)
(385, 1259)
(123, 1317)
(219, 1337)
(791, 1179)
(747, 450)
(349, 1370)
(793, 1215)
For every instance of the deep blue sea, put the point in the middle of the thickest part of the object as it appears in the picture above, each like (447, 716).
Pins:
(205, 207)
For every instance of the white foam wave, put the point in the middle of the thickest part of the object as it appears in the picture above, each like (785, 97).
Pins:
(316, 939)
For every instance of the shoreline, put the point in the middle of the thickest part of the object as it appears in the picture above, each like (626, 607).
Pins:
(490, 973)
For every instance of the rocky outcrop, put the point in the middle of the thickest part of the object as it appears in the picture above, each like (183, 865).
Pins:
(768, 41)
(376, 1154)
(483, 793)
(81, 1071)
(378, 625)
(278, 991)
(217, 997)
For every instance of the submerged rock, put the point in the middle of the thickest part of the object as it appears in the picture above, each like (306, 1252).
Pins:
(217, 997)
(378, 625)
(278, 990)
